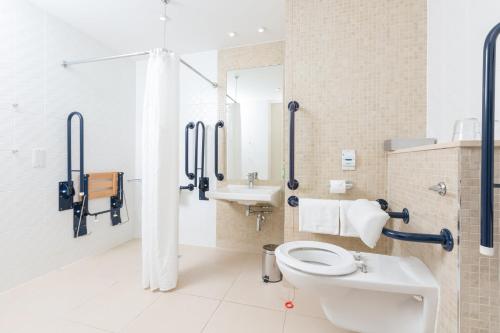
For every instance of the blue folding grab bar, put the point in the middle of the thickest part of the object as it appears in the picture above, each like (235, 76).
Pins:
(488, 143)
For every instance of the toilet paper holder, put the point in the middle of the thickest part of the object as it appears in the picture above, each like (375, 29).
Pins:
(348, 185)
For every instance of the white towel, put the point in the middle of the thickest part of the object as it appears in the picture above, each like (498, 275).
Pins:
(319, 216)
(368, 220)
(346, 227)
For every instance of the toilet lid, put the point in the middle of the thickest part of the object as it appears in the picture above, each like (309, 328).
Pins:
(316, 258)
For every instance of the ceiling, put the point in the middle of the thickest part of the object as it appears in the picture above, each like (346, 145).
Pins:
(192, 25)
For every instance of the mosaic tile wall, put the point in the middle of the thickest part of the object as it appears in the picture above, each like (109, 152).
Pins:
(358, 70)
(410, 174)
(234, 229)
(479, 275)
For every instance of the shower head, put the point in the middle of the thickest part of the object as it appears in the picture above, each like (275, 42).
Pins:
(165, 2)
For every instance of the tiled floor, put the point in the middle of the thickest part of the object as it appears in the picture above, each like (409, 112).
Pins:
(219, 291)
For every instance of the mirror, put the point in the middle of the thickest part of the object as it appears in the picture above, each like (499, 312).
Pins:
(254, 123)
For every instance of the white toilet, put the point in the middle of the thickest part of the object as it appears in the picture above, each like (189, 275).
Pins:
(363, 292)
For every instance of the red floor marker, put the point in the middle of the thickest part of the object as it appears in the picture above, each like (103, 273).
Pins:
(289, 305)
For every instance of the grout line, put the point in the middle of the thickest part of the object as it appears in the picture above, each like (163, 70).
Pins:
(284, 322)
(87, 325)
(211, 317)
(254, 306)
(140, 313)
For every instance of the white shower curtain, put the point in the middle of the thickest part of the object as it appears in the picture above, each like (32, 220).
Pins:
(160, 177)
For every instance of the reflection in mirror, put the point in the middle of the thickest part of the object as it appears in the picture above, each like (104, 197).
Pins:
(254, 123)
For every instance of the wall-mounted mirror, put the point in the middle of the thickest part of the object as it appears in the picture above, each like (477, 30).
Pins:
(254, 123)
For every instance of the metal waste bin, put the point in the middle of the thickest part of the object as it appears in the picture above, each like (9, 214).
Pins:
(270, 270)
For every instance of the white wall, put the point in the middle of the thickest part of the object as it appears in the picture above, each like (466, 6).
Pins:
(198, 101)
(456, 33)
(34, 236)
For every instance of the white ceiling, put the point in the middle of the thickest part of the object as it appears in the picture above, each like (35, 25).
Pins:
(193, 25)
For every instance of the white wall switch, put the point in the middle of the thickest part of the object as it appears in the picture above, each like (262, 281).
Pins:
(38, 158)
(348, 159)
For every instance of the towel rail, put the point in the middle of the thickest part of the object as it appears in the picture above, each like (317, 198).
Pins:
(445, 237)
(404, 215)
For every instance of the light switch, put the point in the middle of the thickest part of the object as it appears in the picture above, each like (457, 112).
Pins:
(348, 159)
(38, 158)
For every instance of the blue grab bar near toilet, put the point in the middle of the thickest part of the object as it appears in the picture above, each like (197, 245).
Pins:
(445, 237)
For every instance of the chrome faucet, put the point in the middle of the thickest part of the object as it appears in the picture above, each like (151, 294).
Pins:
(252, 177)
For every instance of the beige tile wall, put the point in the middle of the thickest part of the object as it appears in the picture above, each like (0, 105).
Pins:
(470, 285)
(234, 229)
(479, 275)
(358, 70)
(409, 177)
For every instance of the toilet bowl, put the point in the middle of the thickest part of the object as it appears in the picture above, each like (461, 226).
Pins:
(363, 292)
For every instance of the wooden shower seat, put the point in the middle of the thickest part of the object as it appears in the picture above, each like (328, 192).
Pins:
(102, 185)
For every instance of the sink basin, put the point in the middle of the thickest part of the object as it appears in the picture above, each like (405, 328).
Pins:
(242, 194)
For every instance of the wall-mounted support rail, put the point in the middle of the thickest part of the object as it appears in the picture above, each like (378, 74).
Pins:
(201, 182)
(293, 184)
(92, 186)
(189, 175)
(219, 176)
(445, 237)
(403, 215)
(67, 189)
(488, 142)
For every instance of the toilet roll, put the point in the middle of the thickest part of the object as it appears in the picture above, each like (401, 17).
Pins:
(338, 186)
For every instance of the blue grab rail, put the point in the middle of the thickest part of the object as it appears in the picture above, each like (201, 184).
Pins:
(488, 142)
(445, 237)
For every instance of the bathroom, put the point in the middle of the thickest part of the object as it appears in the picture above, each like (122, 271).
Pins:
(248, 166)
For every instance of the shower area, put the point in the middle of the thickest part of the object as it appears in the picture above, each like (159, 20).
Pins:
(71, 134)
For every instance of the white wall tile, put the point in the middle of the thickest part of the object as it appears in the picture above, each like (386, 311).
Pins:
(34, 236)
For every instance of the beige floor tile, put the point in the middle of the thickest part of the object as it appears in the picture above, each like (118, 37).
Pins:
(209, 272)
(21, 324)
(174, 313)
(251, 290)
(232, 318)
(53, 294)
(300, 324)
(62, 326)
(306, 304)
(113, 309)
(206, 280)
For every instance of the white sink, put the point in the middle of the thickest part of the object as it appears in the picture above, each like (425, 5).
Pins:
(242, 194)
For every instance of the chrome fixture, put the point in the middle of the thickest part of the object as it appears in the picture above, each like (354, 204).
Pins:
(440, 188)
(260, 211)
(252, 177)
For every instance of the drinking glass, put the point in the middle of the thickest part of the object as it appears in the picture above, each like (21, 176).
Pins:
(466, 129)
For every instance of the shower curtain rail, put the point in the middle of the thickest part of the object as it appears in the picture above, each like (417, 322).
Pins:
(66, 63)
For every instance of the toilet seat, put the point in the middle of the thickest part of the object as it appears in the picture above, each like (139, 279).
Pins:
(316, 258)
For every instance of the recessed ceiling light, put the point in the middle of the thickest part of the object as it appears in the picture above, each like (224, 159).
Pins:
(261, 29)
(231, 34)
